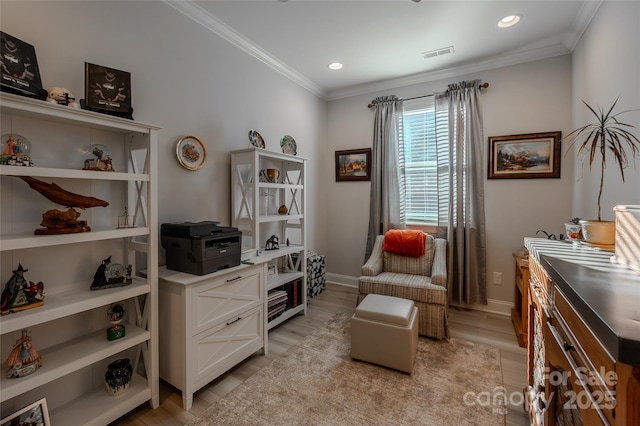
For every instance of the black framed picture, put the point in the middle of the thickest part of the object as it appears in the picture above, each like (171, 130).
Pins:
(353, 165)
(107, 90)
(20, 73)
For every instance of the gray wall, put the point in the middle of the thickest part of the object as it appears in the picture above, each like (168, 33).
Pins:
(189, 81)
(527, 98)
(606, 65)
(186, 80)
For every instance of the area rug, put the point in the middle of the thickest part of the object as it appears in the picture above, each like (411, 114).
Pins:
(317, 383)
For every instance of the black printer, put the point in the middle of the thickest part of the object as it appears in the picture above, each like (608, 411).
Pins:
(200, 248)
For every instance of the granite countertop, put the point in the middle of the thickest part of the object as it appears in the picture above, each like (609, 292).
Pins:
(608, 301)
(606, 295)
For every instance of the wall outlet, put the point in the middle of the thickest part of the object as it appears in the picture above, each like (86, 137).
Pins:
(497, 278)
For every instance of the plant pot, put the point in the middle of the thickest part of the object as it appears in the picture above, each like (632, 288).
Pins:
(573, 231)
(118, 376)
(599, 233)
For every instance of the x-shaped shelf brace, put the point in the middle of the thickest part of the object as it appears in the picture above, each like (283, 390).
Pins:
(245, 189)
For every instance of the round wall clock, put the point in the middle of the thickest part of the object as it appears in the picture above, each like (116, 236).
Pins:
(190, 152)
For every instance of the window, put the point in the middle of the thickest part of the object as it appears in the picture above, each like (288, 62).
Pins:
(426, 184)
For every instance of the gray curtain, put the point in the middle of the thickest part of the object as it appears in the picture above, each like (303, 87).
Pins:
(463, 134)
(387, 170)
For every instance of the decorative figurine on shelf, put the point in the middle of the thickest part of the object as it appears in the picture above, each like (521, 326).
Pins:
(56, 221)
(19, 295)
(272, 243)
(15, 150)
(283, 210)
(115, 314)
(110, 275)
(99, 159)
(125, 221)
(118, 376)
(62, 96)
(23, 359)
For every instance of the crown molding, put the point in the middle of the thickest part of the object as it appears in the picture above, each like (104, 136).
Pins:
(497, 62)
(581, 22)
(213, 24)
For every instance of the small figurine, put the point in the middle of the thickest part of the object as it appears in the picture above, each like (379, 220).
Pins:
(102, 161)
(125, 221)
(23, 359)
(115, 315)
(272, 243)
(19, 295)
(15, 150)
(283, 210)
(62, 96)
(110, 275)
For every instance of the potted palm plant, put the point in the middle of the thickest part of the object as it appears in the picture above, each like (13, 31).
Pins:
(606, 137)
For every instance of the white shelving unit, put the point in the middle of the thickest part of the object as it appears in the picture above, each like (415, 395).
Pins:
(69, 331)
(255, 205)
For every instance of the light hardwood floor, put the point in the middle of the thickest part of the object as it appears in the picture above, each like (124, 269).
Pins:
(475, 326)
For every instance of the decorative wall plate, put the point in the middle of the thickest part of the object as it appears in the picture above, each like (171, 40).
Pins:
(255, 139)
(190, 152)
(288, 145)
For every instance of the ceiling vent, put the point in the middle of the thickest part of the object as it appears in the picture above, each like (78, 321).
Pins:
(438, 52)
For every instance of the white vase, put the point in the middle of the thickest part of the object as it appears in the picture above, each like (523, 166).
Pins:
(601, 232)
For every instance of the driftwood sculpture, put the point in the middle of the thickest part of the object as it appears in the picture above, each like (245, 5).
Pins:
(57, 221)
(60, 196)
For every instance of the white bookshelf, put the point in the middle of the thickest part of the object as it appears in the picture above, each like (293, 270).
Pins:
(255, 205)
(69, 331)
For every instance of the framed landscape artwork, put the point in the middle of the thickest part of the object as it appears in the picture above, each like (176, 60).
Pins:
(527, 156)
(353, 165)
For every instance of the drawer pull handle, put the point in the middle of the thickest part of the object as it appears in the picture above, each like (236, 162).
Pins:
(568, 347)
(235, 320)
(234, 279)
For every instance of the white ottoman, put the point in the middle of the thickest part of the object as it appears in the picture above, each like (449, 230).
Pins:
(384, 331)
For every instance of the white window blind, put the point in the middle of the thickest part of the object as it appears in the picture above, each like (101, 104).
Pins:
(426, 182)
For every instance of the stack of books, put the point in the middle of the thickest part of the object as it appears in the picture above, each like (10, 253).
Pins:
(276, 303)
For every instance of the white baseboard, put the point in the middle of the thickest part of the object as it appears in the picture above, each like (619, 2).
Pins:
(345, 280)
(494, 306)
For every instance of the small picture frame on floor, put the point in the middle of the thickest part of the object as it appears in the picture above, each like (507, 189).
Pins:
(33, 414)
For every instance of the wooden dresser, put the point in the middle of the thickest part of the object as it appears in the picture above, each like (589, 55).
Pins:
(520, 311)
(584, 337)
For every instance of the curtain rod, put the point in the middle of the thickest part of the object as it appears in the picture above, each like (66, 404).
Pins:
(482, 86)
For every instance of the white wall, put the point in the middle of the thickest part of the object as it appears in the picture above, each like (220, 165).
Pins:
(606, 65)
(527, 98)
(185, 79)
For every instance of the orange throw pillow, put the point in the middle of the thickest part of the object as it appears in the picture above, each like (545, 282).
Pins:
(405, 242)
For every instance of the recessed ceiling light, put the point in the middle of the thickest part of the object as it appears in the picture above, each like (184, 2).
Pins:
(335, 66)
(509, 21)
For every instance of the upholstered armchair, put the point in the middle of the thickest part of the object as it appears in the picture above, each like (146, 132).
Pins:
(422, 279)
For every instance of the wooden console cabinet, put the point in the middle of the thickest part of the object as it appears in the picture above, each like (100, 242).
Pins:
(520, 311)
(584, 338)
(209, 323)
